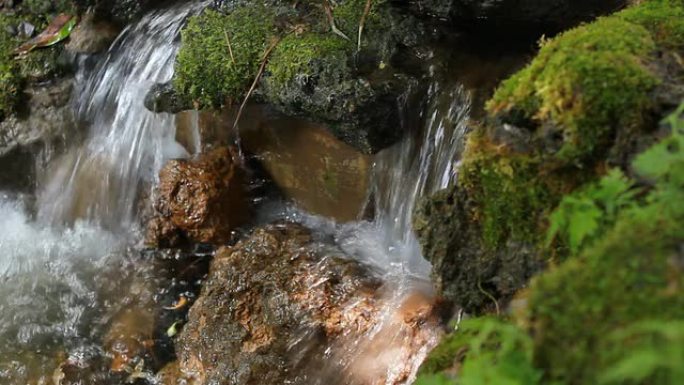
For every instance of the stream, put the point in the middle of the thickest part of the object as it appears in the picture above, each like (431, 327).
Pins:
(72, 261)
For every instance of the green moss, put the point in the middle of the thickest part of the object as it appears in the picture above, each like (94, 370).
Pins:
(510, 198)
(348, 17)
(587, 82)
(663, 18)
(296, 56)
(627, 277)
(206, 73)
(11, 82)
(512, 195)
(16, 72)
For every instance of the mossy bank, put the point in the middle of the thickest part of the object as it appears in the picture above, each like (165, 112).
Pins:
(590, 100)
(575, 180)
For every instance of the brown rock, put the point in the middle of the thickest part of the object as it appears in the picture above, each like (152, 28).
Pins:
(202, 200)
(278, 308)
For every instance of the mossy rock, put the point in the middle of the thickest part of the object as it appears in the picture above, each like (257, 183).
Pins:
(347, 82)
(15, 72)
(221, 54)
(586, 101)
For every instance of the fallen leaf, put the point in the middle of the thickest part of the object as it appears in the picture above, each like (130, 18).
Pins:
(59, 29)
(178, 304)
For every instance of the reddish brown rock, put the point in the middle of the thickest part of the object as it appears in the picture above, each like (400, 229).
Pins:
(200, 200)
(279, 308)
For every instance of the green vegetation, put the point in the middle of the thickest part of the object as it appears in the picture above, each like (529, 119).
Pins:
(582, 100)
(11, 83)
(16, 72)
(588, 81)
(613, 312)
(493, 352)
(221, 54)
(298, 55)
(207, 73)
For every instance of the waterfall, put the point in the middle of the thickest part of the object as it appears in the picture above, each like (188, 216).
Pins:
(100, 181)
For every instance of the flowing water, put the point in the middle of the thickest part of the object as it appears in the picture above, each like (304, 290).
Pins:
(69, 270)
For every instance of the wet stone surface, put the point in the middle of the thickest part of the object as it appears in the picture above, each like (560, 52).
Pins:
(200, 200)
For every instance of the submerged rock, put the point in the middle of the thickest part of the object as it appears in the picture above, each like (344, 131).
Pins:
(201, 200)
(276, 310)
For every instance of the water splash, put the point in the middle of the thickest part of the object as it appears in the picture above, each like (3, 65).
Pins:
(423, 163)
(127, 145)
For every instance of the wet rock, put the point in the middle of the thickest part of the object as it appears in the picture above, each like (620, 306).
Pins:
(28, 141)
(308, 164)
(91, 35)
(276, 310)
(312, 167)
(201, 200)
(348, 82)
(557, 14)
(164, 98)
(48, 118)
(465, 270)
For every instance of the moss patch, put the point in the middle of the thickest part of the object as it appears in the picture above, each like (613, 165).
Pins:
(297, 56)
(584, 83)
(206, 72)
(16, 72)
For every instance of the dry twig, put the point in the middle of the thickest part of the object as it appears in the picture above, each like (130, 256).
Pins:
(366, 11)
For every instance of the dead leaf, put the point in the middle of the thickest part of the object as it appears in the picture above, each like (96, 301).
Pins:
(59, 29)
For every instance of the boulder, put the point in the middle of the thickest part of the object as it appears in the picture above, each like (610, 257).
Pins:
(201, 200)
(276, 309)
(350, 83)
(28, 141)
(551, 128)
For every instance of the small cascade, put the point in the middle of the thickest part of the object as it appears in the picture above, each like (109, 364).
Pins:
(423, 163)
(100, 181)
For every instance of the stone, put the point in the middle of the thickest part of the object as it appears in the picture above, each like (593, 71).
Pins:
(275, 309)
(92, 35)
(163, 97)
(28, 141)
(203, 199)
(307, 164)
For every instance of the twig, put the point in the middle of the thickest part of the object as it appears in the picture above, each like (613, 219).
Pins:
(331, 20)
(230, 48)
(366, 11)
(496, 303)
(264, 60)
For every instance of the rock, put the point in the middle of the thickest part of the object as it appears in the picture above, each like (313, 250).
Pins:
(29, 142)
(464, 270)
(349, 84)
(557, 14)
(274, 309)
(202, 199)
(91, 35)
(309, 165)
(164, 98)
(486, 236)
